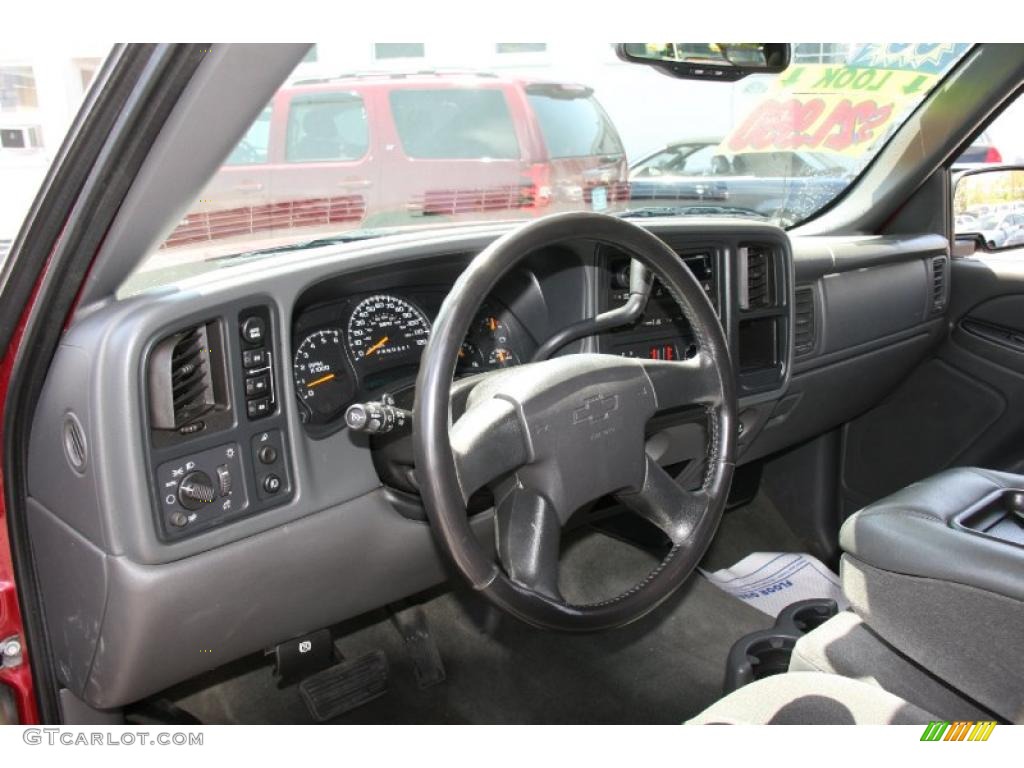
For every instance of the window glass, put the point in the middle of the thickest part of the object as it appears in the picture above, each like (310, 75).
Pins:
(820, 53)
(990, 206)
(398, 50)
(686, 159)
(255, 145)
(463, 123)
(41, 89)
(324, 127)
(17, 88)
(514, 131)
(574, 126)
(521, 47)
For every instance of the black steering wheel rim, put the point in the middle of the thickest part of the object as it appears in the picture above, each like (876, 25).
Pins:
(442, 481)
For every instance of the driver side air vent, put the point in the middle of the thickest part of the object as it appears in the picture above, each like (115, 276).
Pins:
(938, 284)
(755, 277)
(804, 332)
(184, 380)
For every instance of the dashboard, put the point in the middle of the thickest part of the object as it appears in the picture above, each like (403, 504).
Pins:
(189, 456)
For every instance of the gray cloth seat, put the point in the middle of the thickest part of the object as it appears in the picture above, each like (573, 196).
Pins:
(844, 645)
(812, 698)
(949, 599)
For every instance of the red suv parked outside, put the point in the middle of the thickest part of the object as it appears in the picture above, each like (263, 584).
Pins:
(381, 150)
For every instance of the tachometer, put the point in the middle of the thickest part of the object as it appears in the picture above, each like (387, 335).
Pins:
(322, 381)
(386, 329)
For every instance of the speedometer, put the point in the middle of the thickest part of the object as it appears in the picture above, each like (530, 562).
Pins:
(386, 329)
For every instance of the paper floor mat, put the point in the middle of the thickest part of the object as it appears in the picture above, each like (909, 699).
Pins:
(769, 581)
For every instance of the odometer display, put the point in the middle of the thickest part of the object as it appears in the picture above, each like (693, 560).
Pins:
(386, 330)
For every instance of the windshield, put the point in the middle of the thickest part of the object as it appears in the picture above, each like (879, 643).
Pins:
(364, 140)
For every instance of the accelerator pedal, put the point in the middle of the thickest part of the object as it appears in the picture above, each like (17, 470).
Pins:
(345, 686)
(411, 624)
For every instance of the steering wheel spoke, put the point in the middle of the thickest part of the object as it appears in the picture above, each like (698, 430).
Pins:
(661, 501)
(488, 441)
(682, 383)
(528, 531)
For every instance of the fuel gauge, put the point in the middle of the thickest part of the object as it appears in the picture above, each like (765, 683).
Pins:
(502, 358)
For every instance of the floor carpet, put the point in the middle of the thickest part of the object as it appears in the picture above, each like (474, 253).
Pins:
(662, 669)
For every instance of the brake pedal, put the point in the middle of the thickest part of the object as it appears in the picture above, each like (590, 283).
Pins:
(345, 686)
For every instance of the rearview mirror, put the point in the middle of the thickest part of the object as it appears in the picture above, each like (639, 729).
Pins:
(708, 61)
(988, 207)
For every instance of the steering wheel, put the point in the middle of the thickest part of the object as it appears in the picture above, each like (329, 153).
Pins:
(548, 437)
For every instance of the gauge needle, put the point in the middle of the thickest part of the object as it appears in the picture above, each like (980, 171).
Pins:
(321, 380)
(375, 347)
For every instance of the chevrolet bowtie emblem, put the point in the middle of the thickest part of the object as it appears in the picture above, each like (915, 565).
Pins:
(596, 408)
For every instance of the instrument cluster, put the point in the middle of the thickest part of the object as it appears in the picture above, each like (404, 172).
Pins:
(363, 346)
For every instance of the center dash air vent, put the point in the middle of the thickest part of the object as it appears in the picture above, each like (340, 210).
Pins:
(938, 283)
(181, 379)
(755, 277)
(804, 333)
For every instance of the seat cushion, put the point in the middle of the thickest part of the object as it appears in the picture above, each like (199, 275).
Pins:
(844, 645)
(811, 698)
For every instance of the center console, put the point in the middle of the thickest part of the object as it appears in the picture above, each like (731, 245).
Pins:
(937, 571)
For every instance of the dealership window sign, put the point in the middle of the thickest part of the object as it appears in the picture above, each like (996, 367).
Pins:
(842, 108)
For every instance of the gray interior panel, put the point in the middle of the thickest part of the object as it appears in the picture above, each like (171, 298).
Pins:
(870, 303)
(206, 610)
(74, 580)
(924, 426)
(961, 634)
(845, 646)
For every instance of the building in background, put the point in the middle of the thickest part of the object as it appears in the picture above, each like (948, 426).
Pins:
(40, 91)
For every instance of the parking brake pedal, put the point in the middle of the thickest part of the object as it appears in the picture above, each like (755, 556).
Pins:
(303, 656)
(345, 686)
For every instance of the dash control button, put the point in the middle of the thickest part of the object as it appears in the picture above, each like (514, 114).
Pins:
(257, 385)
(254, 358)
(254, 330)
(272, 483)
(267, 454)
(224, 479)
(258, 408)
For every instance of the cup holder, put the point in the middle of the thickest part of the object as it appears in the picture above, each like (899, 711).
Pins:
(805, 615)
(767, 652)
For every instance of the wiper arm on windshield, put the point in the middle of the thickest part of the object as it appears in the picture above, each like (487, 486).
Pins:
(654, 211)
(346, 237)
